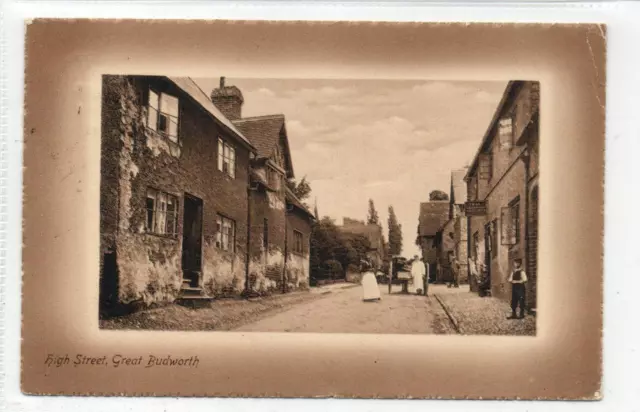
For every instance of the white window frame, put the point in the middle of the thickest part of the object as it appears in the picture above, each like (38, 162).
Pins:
(163, 106)
(298, 242)
(161, 213)
(226, 158)
(506, 132)
(225, 234)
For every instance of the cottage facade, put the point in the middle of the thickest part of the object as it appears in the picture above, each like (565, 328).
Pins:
(175, 195)
(373, 233)
(432, 218)
(500, 192)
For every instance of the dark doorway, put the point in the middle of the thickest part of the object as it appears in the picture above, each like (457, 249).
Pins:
(192, 240)
(486, 282)
(108, 284)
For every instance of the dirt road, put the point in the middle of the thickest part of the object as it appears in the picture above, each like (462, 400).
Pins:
(344, 311)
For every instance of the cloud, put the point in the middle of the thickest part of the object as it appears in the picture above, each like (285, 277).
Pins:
(391, 141)
(266, 92)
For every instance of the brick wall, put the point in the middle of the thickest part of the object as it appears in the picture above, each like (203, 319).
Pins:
(149, 266)
(298, 263)
(267, 265)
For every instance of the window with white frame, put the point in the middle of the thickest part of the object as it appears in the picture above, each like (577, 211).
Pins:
(225, 234)
(162, 213)
(505, 132)
(485, 165)
(162, 114)
(298, 245)
(510, 221)
(226, 158)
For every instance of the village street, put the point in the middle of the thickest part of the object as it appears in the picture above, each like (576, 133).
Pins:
(344, 311)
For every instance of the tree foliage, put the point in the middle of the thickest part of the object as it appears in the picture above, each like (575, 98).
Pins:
(301, 189)
(438, 195)
(329, 244)
(372, 217)
(395, 233)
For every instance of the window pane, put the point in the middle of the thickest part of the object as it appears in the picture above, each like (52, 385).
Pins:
(150, 212)
(162, 123)
(218, 232)
(232, 168)
(171, 215)
(232, 153)
(169, 104)
(152, 119)
(173, 129)
(153, 99)
(220, 154)
(232, 236)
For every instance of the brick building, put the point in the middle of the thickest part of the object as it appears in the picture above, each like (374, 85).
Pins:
(175, 195)
(373, 233)
(432, 218)
(502, 192)
(457, 200)
(451, 240)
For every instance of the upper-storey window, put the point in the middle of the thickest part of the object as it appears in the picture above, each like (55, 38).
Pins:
(274, 178)
(505, 132)
(226, 158)
(485, 165)
(162, 114)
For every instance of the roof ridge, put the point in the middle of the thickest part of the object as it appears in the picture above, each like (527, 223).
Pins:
(262, 117)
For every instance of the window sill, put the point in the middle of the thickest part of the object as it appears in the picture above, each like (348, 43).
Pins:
(227, 252)
(226, 176)
(159, 235)
(164, 137)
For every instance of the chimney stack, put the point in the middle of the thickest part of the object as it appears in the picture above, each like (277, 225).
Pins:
(228, 99)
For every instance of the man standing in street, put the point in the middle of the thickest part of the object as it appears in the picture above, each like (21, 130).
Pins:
(517, 279)
(418, 272)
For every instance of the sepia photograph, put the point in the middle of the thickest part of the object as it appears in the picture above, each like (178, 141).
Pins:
(228, 208)
(311, 205)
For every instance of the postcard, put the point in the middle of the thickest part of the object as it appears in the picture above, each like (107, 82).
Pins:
(313, 209)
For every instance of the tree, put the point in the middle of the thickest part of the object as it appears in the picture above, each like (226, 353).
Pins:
(372, 217)
(395, 233)
(302, 189)
(329, 244)
(326, 244)
(438, 195)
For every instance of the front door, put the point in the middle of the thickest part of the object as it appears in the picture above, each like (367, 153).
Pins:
(192, 240)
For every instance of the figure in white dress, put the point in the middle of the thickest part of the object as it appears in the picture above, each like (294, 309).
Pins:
(370, 289)
(419, 272)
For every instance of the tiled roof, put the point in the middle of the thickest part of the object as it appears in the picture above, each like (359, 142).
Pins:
(433, 215)
(292, 199)
(191, 88)
(263, 132)
(458, 186)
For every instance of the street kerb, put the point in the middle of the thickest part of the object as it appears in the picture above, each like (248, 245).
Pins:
(452, 318)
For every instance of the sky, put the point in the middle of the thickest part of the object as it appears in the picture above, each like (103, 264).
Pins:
(393, 141)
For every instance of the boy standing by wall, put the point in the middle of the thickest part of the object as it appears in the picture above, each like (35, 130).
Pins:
(518, 279)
